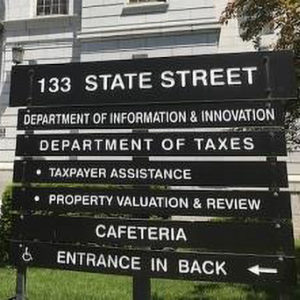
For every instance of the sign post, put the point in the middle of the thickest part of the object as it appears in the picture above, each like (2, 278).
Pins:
(141, 285)
(141, 288)
(21, 283)
(284, 295)
(209, 97)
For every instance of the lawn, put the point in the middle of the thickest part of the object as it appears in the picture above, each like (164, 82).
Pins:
(46, 284)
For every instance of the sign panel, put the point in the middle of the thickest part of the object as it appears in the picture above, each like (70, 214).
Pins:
(220, 236)
(274, 270)
(243, 174)
(252, 143)
(155, 202)
(219, 77)
(232, 114)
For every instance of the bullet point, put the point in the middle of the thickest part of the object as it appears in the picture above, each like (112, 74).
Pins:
(36, 198)
(38, 172)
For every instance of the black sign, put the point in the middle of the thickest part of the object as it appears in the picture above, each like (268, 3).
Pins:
(153, 116)
(252, 143)
(243, 174)
(156, 202)
(275, 270)
(221, 77)
(252, 237)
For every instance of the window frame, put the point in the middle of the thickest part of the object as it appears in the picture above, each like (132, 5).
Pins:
(145, 2)
(69, 7)
(144, 7)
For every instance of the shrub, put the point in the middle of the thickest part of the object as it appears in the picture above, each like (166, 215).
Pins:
(7, 214)
(5, 225)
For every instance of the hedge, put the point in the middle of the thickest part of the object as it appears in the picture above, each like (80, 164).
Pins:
(5, 225)
(6, 215)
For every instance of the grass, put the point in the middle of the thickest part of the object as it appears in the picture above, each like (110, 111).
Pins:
(44, 284)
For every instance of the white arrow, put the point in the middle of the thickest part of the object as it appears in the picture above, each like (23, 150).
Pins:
(257, 270)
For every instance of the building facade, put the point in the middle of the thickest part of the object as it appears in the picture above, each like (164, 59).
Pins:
(64, 31)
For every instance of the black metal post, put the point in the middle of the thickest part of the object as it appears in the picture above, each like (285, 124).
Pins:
(284, 296)
(21, 283)
(22, 270)
(141, 285)
(141, 288)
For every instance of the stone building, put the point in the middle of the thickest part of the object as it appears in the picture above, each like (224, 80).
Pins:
(63, 31)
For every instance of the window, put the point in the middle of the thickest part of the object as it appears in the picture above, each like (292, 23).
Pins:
(51, 7)
(142, 1)
(135, 7)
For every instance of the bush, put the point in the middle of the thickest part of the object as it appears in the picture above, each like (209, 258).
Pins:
(5, 225)
(6, 216)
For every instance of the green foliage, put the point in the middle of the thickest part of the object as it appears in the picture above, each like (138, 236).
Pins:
(7, 213)
(45, 284)
(284, 17)
(5, 224)
(255, 15)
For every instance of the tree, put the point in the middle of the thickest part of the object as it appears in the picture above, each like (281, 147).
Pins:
(284, 17)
